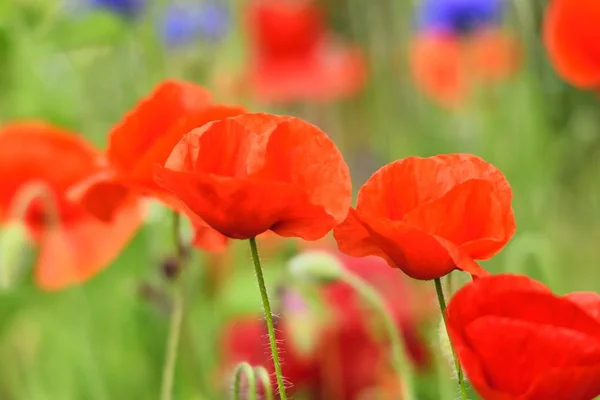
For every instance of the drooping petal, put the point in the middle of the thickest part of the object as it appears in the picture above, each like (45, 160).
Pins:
(77, 250)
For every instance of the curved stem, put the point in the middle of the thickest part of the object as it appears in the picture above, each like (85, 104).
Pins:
(168, 374)
(268, 317)
(265, 380)
(247, 370)
(400, 360)
(459, 372)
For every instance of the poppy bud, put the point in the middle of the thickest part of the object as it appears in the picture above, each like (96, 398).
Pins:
(13, 241)
(320, 266)
(244, 382)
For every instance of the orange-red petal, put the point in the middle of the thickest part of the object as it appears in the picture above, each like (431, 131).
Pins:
(270, 172)
(73, 252)
(155, 115)
(492, 55)
(438, 69)
(570, 33)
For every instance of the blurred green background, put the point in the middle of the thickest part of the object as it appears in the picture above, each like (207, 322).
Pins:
(83, 70)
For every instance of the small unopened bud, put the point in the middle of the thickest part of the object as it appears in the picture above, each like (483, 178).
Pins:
(244, 382)
(14, 241)
(316, 265)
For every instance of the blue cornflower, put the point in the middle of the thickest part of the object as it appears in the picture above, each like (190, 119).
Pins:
(184, 23)
(458, 17)
(125, 8)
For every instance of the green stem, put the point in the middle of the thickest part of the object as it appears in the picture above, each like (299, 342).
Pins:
(247, 370)
(269, 317)
(459, 372)
(400, 360)
(265, 380)
(168, 374)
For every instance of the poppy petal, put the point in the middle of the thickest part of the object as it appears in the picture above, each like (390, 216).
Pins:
(493, 55)
(164, 144)
(477, 223)
(570, 34)
(589, 301)
(154, 116)
(226, 203)
(291, 161)
(329, 73)
(529, 343)
(399, 187)
(355, 240)
(573, 383)
(438, 70)
(74, 252)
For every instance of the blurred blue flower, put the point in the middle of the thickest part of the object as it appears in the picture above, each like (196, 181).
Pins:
(125, 8)
(458, 16)
(184, 23)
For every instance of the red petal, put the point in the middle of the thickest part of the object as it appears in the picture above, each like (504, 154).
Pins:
(290, 161)
(164, 144)
(574, 383)
(328, 73)
(37, 152)
(470, 216)
(151, 118)
(518, 313)
(74, 252)
(571, 31)
(438, 69)
(493, 55)
(589, 301)
(208, 239)
(355, 240)
(516, 353)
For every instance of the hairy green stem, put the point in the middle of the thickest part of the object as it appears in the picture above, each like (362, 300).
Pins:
(459, 372)
(400, 360)
(168, 373)
(268, 317)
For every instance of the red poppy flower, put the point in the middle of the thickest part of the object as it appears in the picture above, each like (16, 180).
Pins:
(348, 358)
(571, 31)
(446, 68)
(252, 173)
(146, 136)
(429, 216)
(517, 340)
(74, 245)
(294, 58)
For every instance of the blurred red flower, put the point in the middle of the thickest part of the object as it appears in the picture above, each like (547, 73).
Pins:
(252, 173)
(74, 244)
(146, 136)
(429, 216)
(348, 358)
(517, 340)
(571, 32)
(447, 68)
(293, 58)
